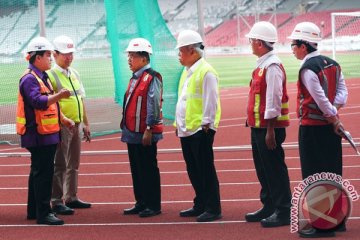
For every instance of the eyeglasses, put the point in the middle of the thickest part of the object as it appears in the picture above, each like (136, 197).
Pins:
(251, 40)
(295, 44)
(133, 55)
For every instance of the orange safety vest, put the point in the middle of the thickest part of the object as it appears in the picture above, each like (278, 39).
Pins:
(257, 101)
(135, 110)
(47, 121)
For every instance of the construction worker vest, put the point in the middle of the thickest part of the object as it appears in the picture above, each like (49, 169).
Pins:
(47, 121)
(257, 100)
(135, 104)
(328, 72)
(194, 100)
(71, 107)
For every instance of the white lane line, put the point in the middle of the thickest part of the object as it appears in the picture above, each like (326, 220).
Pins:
(126, 162)
(138, 224)
(122, 224)
(164, 172)
(129, 203)
(221, 126)
(166, 185)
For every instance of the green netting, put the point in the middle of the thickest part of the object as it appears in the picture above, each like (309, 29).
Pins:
(127, 19)
(101, 31)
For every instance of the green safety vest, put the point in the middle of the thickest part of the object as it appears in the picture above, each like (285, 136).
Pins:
(71, 107)
(194, 101)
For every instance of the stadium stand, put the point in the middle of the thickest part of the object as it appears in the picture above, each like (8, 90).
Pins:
(226, 22)
(90, 26)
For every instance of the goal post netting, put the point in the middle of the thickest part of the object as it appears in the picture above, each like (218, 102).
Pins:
(346, 40)
(127, 19)
(101, 30)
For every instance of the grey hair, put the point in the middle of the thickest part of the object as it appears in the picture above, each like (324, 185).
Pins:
(199, 48)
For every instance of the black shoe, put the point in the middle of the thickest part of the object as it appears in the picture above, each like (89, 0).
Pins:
(340, 228)
(208, 217)
(147, 212)
(191, 212)
(50, 219)
(134, 210)
(275, 220)
(314, 233)
(259, 214)
(78, 204)
(61, 209)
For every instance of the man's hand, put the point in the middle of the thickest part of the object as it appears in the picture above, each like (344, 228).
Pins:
(67, 122)
(64, 93)
(270, 139)
(87, 133)
(147, 137)
(337, 125)
(270, 134)
(205, 127)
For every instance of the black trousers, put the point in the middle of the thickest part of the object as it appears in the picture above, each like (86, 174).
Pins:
(271, 170)
(199, 157)
(40, 180)
(320, 150)
(145, 175)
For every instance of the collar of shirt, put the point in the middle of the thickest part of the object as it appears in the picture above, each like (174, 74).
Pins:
(66, 72)
(263, 58)
(192, 69)
(41, 74)
(310, 55)
(139, 72)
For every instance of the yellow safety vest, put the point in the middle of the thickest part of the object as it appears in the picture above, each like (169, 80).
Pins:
(71, 107)
(194, 100)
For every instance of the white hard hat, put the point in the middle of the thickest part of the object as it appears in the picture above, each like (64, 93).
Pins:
(139, 45)
(64, 44)
(263, 31)
(188, 37)
(306, 31)
(39, 44)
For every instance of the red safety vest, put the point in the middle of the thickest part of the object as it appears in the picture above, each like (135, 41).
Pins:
(47, 121)
(135, 110)
(328, 72)
(257, 101)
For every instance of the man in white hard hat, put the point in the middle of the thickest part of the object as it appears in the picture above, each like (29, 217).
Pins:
(321, 93)
(268, 116)
(197, 119)
(37, 121)
(142, 128)
(67, 158)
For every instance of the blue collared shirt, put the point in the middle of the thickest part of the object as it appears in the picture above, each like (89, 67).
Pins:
(153, 109)
(30, 91)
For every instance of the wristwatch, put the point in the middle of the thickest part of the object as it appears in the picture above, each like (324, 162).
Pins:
(148, 128)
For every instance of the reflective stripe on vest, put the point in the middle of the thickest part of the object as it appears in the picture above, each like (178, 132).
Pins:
(328, 72)
(257, 101)
(194, 104)
(135, 104)
(71, 107)
(47, 121)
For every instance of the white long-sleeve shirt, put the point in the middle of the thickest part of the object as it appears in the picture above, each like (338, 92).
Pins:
(274, 80)
(312, 84)
(209, 96)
